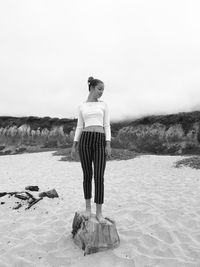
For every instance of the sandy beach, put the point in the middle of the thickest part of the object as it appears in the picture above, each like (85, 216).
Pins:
(156, 208)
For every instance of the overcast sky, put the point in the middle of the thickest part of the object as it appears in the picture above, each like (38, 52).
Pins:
(146, 52)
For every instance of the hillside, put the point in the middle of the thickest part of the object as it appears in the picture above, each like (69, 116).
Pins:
(164, 134)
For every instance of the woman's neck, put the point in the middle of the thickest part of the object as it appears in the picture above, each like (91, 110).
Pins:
(91, 99)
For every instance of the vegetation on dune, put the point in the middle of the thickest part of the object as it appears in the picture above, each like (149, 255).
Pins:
(193, 162)
(185, 119)
(37, 122)
(156, 134)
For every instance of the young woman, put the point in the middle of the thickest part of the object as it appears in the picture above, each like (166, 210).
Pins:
(92, 137)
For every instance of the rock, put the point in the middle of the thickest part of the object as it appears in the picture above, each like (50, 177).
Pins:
(92, 236)
(7, 152)
(20, 150)
(51, 194)
(3, 194)
(2, 147)
(32, 188)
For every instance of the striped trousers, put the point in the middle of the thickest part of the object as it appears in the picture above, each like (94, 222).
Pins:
(91, 149)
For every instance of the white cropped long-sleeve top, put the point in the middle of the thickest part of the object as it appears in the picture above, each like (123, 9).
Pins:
(93, 113)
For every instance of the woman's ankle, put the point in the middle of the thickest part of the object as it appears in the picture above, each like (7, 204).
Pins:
(98, 209)
(88, 204)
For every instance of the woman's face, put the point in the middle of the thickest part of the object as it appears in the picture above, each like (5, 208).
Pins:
(98, 90)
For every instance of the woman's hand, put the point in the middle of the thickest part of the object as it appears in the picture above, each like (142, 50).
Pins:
(108, 149)
(73, 150)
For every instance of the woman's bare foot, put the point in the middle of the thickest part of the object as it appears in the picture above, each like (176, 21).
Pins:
(99, 215)
(100, 218)
(87, 214)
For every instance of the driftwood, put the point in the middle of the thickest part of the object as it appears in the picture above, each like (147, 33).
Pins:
(17, 207)
(92, 236)
(22, 196)
(33, 203)
(51, 194)
(3, 194)
(28, 197)
(32, 188)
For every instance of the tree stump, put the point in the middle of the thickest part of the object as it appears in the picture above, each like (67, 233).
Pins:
(92, 236)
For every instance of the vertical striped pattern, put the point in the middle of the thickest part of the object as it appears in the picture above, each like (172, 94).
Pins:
(85, 154)
(92, 150)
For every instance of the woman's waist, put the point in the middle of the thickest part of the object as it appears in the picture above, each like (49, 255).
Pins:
(94, 128)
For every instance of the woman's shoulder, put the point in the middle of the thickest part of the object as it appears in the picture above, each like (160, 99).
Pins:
(104, 104)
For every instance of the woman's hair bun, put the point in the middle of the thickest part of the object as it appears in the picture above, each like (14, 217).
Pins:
(90, 79)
